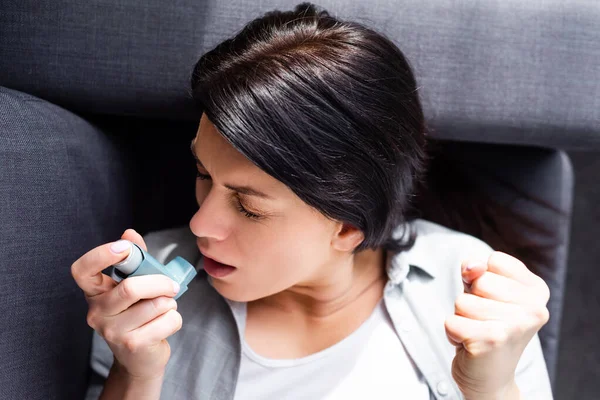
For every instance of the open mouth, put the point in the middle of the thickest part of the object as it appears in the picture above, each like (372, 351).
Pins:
(217, 269)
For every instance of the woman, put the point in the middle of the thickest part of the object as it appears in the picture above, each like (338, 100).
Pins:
(317, 286)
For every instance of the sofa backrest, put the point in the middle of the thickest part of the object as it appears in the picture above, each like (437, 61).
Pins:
(489, 71)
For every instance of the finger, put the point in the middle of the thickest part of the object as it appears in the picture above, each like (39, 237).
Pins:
(453, 341)
(472, 269)
(511, 267)
(156, 330)
(500, 288)
(482, 309)
(143, 312)
(87, 270)
(133, 289)
(133, 236)
(457, 328)
(476, 337)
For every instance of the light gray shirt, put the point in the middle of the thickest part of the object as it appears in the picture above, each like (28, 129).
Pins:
(423, 284)
(370, 363)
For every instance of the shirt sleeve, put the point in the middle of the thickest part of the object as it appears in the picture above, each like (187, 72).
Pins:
(532, 374)
(101, 361)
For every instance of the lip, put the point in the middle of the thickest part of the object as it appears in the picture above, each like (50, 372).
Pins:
(216, 269)
(206, 255)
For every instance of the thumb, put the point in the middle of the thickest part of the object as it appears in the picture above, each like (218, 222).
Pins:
(134, 237)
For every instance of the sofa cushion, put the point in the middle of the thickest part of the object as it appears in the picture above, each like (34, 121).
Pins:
(63, 191)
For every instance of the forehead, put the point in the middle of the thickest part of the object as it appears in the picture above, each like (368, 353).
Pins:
(208, 135)
(224, 163)
(210, 145)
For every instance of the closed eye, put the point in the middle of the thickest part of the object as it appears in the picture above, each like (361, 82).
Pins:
(202, 176)
(238, 202)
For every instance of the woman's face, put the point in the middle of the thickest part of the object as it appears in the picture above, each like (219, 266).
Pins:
(253, 222)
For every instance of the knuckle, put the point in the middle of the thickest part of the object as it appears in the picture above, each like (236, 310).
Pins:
(74, 271)
(125, 289)
(497, 338)
(460, 302)
(542, 315)
(495, 257)
(167, 286)
(176, 319)
(91, 320)
(450, 321)
(544, 289)
(519, 263)
(447, 322)
(109, 334)
(476, 350)
(477, 286)
(520, 327)
(132, 344)
(170, 304)
(498, 257)
(156, 304)
(161, 303)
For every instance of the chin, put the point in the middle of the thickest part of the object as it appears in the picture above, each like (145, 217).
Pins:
(233, 292)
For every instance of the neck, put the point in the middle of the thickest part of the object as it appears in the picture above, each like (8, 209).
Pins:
(311, 317)
(357, 281)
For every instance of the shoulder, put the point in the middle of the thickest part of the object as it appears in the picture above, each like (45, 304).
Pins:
(439, 252)
(432, 232)
(439, 245)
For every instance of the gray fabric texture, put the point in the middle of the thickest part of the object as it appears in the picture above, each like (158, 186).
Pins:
(62, 192)
(489, 71)
(579, 356)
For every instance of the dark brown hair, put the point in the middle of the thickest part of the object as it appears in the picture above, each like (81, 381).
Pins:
(328, 107)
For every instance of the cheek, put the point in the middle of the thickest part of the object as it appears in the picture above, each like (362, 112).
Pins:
(276, 255)
(288, 250)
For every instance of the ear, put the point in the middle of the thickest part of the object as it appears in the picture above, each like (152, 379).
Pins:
(347, 237)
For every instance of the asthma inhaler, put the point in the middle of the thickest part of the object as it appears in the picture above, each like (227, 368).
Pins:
(140, 262)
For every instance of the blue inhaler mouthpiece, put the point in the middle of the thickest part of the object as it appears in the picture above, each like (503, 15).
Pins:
(140, 262)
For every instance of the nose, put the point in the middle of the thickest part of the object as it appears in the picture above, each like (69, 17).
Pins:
(210, 221)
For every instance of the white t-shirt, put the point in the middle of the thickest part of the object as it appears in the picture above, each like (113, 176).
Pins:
(371, 363)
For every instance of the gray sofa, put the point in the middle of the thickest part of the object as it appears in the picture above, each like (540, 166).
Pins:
(96, 119)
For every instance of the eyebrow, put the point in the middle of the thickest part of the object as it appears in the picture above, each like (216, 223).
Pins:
(247, 190)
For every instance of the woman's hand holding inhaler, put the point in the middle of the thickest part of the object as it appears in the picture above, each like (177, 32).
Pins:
(134, 316)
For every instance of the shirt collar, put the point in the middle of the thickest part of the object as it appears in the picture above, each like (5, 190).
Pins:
(418, 256)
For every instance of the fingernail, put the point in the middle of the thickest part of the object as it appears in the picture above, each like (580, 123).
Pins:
(175, 287)
(472, 264)
(120, 246)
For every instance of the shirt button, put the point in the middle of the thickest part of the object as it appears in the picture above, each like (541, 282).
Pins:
(442, 388)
